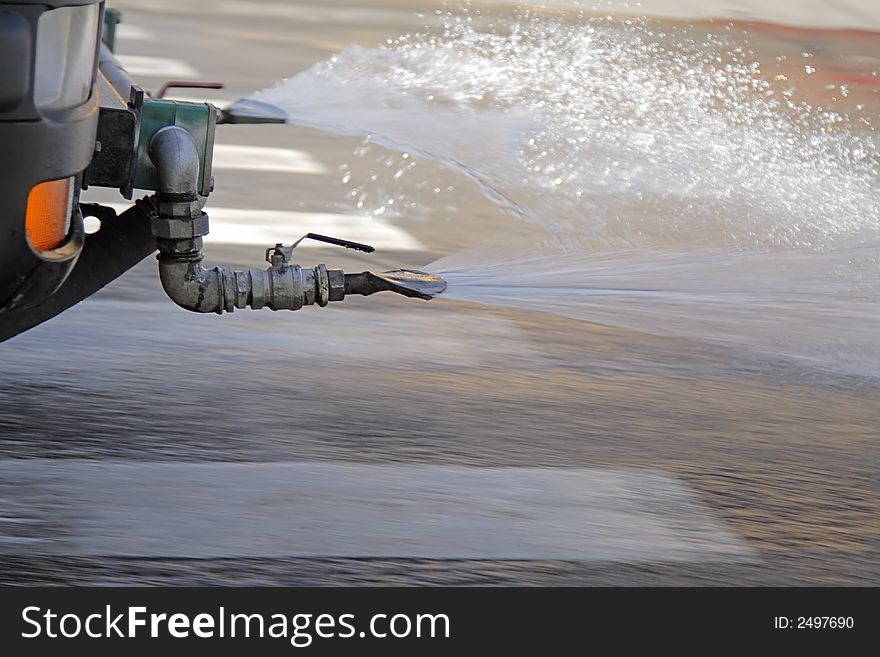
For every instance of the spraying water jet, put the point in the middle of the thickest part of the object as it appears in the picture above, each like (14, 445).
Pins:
(696, 183)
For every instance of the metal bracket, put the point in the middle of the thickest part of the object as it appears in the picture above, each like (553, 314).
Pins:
(199, 119)
(186, 84)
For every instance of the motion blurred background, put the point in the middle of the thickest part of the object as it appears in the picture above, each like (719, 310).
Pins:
(390, 441)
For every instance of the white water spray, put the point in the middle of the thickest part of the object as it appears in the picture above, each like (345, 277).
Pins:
(689, 194)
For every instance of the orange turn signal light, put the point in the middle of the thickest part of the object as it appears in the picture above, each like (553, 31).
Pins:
(48, 214)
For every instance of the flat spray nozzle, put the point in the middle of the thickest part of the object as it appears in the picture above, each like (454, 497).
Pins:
(252, 111)
(408, 282)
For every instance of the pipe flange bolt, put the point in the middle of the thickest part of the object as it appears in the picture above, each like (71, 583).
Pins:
(322, 286)
(179, 209)
(180, 229)
(336, 279)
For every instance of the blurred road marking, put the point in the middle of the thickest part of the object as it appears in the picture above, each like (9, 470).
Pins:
(129, 32)
(261, 158)
(321, 15)
(188, 97)
(160, 67)
(19, 521)
(234, 226)
(858, 14)
(19, 540)
(267, 227)
(217, 510)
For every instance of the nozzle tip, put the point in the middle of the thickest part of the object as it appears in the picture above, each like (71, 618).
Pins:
(252, 111)
(411, 282)
(408, 282)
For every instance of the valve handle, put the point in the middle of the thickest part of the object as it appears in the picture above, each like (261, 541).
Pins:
(284, 253)
(186, 84)
(357, 246)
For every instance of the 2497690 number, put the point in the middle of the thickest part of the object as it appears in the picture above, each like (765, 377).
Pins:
(814, 623)
(824, 622)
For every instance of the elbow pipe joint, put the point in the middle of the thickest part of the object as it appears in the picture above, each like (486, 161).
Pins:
(179, 224)
(173, 152)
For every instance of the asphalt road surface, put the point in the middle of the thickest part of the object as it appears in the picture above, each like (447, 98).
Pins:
(395, 441)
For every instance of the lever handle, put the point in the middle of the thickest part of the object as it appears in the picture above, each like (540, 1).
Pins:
(280, 255)
(186, 84)
(357, 246)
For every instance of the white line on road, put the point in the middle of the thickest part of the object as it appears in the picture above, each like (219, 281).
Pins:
(261, 158)
(160, 67)
(267, 227)
(129, 32)
(217, 510)
(319, 15)
(186, 96)
(234, 226)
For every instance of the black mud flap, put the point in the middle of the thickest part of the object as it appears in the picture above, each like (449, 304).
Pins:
(121, 243)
